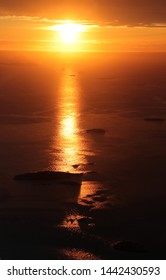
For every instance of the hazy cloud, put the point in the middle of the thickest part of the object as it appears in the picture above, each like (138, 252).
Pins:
(118, 11)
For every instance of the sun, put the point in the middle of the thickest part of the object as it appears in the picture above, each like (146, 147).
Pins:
(69, 31)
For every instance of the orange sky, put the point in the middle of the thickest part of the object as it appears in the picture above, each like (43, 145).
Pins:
(108, 27)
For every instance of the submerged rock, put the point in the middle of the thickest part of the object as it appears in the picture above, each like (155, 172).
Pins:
(96, 130)
(86, 201)
(99, 198)
(60, 177)
(84, 165)
(154, 120)
(75, 166)
(90, 172)
(85, 222)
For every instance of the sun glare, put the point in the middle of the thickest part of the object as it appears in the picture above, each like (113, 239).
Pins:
(69, 31)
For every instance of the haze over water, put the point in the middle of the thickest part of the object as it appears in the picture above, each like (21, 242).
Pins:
(48, 102)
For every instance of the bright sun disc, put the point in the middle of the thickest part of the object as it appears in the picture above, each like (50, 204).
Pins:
(69, 31)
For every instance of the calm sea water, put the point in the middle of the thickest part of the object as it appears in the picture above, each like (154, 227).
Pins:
(47, 103)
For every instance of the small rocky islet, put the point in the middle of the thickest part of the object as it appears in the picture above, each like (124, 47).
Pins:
(57, 176)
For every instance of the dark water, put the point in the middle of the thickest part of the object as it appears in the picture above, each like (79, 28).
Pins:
(48, 104)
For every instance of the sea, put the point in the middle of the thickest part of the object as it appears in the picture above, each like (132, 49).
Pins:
(100, 114)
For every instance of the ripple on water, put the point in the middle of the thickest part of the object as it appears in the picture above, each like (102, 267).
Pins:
(78, 254)
(95, 195)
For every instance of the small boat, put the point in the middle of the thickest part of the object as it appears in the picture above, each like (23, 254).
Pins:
(57, 176)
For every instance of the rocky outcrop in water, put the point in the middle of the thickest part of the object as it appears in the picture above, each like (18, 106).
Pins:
(60, 177)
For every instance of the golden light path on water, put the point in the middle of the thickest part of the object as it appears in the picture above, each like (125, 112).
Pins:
(68, 137)
(72, 145)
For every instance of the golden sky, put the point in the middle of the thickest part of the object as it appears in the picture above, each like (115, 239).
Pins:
(96, 25)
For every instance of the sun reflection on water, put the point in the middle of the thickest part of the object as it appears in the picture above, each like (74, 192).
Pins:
(72, 153)
(67, 138)
(68, 126)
